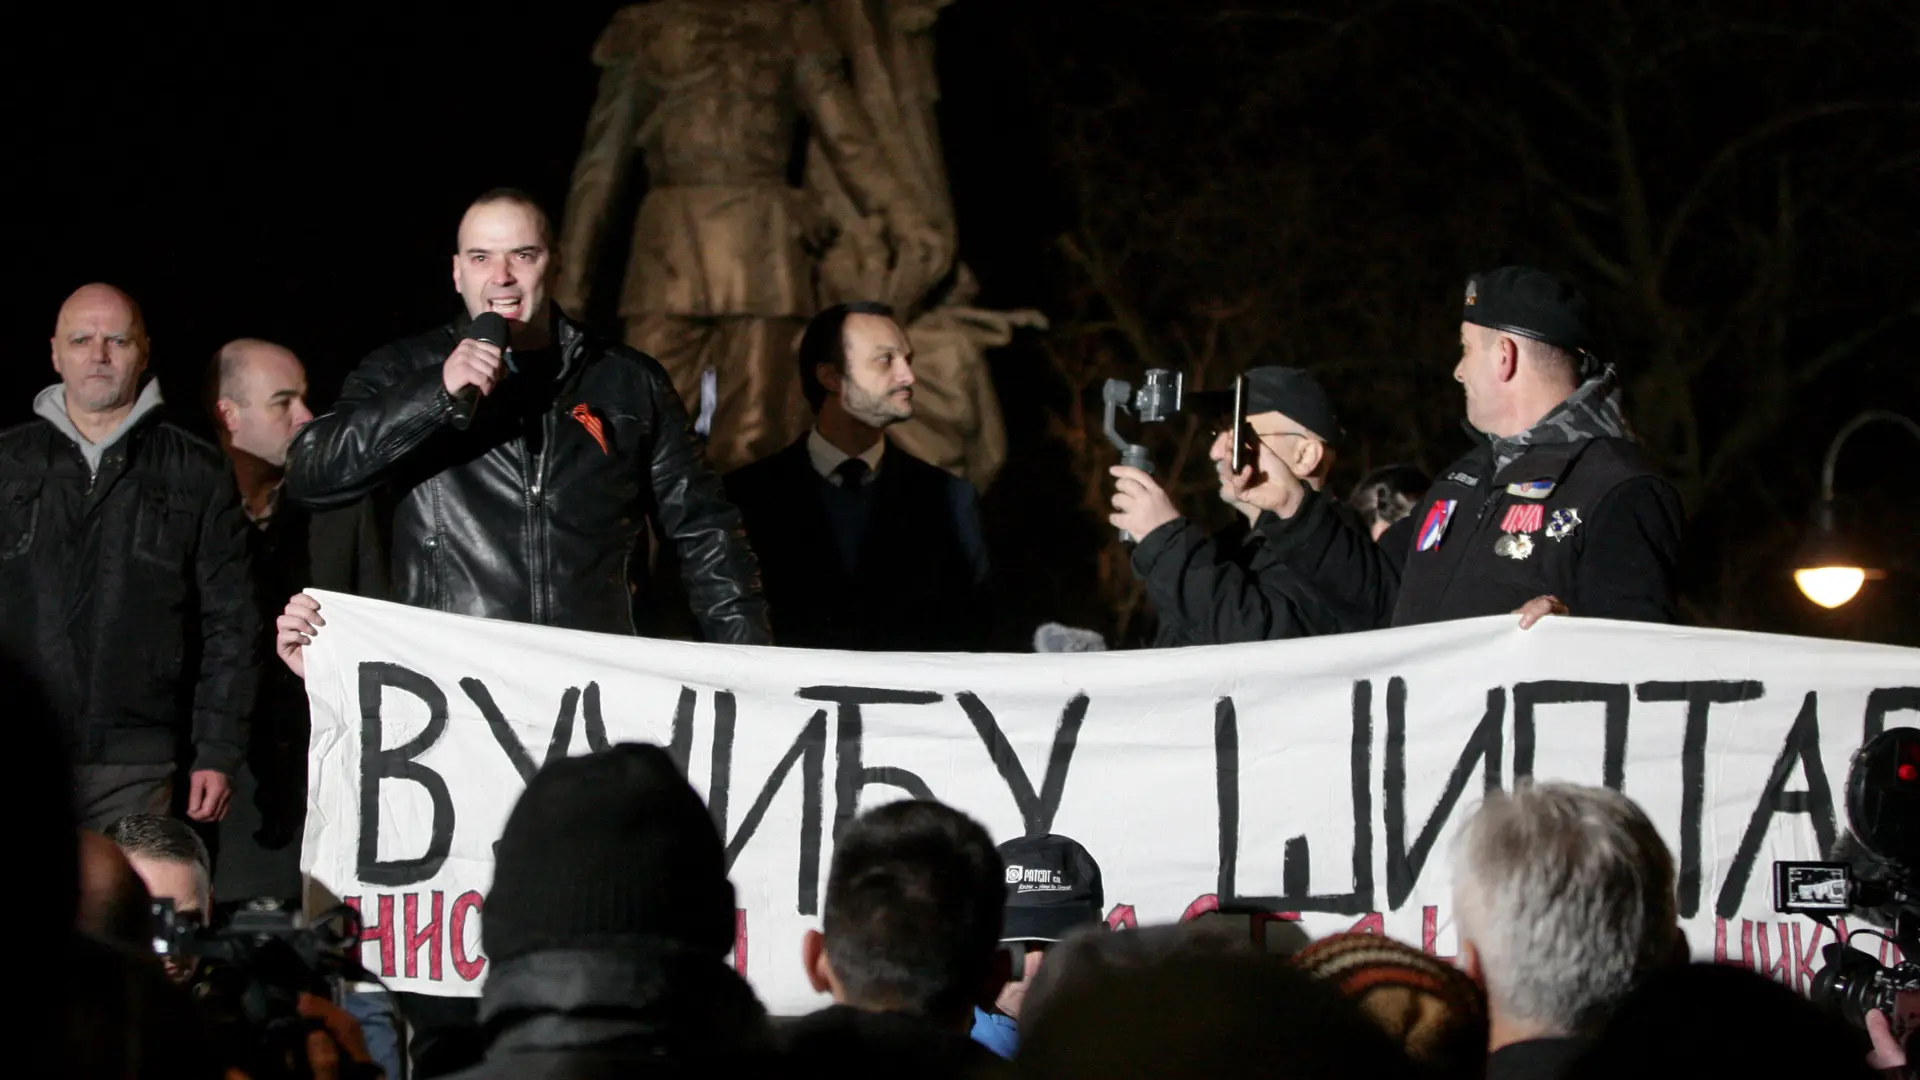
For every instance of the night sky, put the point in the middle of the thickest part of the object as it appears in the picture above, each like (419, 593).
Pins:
(295, 172)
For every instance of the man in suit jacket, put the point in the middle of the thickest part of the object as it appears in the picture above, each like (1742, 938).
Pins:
(862, 545)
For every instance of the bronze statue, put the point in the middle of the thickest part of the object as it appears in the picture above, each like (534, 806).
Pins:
(721, 279)
(956, 423)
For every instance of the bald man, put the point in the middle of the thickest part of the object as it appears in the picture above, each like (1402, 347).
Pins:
(124, 575)
(256, 395)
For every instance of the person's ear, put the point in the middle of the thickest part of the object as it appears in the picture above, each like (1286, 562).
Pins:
(456, 271)
(1507, 358)
(813, 957)
(830, 377)
(229, 416)
(1470, 962)
(1308, 457)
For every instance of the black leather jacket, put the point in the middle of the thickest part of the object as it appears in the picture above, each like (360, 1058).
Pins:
(535, 512)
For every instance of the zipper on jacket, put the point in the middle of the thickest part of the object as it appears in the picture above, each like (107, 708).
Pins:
(538, 571)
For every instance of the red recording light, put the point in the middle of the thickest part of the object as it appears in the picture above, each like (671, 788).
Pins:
(1909, 773)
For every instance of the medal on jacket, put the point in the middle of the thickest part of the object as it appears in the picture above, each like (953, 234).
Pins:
(1522, 520)
(1563, 523)
(1513, 545)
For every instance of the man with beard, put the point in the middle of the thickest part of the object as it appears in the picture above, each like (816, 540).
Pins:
(1554, 512)
(123, 574)
(862, 545)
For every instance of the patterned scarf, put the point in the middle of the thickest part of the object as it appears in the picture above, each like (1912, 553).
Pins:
(1592, 412)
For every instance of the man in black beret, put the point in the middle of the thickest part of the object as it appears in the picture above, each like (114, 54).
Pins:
(1229, 587)
(1553, 511)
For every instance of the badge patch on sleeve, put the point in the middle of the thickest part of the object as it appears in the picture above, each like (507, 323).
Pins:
(1435, 525)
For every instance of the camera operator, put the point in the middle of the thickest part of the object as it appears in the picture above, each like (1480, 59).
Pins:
(1228, 587)
(172, 860)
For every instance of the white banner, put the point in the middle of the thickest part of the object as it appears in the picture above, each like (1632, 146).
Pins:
(1318, 780)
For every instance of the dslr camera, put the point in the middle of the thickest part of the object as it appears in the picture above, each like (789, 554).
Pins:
(251, 973)
(1876, 881)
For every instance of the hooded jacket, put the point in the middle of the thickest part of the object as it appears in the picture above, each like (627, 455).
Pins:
(124, 580)
(535, 513)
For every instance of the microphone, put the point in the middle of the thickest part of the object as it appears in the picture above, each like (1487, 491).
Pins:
(490, 327)
(1056, 638)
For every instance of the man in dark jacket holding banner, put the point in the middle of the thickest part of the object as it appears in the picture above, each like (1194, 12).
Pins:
(1554, 512)
(535, 513)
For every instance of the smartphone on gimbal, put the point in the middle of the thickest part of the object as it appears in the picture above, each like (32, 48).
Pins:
(1246, 445)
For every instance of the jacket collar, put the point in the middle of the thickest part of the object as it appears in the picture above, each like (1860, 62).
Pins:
(644, 994)
(570, 337)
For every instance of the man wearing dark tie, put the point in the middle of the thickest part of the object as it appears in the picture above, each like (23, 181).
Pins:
(862, 545)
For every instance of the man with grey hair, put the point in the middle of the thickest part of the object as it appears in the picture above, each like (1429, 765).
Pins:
(172, 860)
(1563, 900)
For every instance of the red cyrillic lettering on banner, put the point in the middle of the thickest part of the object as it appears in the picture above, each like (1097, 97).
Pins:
(1374, 923)
(1745, 959)
(1781, 970)
(1201, 906)
(430, 936)
(468, 969)
(740, 941)
(1803, 959)
(1122, 918)
(1887, 947)
(1430, 932)
(382, 930)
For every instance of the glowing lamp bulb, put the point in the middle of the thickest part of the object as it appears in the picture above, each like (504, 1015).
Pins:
(1830, 586)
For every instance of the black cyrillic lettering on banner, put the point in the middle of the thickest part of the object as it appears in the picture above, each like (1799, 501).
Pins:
(523, 762)
(1885, 700)
(1226, 779)
(1528, 696)
(1036, 811)
(851, 773)
(1802, 747)
(378, 763)
(1700, 697)
(1484, 745)
(1296, 860)
(595, 724)
(680, 742)
(720, 773)
(810, 750)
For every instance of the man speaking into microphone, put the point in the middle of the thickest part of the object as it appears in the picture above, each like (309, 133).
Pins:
(522, 468)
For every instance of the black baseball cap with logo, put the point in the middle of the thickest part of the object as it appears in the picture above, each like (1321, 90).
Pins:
(1053, 886)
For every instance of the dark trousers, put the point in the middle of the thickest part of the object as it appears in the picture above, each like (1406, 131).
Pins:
(103, 794)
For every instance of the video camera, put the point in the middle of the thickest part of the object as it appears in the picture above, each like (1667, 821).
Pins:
(1162, 394)
(1878, 882)
(252, 974)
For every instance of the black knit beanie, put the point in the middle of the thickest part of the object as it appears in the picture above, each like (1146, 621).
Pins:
(605, 848)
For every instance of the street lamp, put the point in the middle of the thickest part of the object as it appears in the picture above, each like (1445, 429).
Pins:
(1828, 569)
